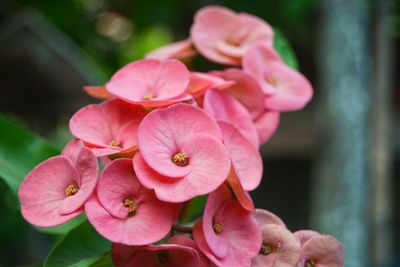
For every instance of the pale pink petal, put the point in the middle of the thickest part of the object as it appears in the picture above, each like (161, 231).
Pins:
(223, 107)
(323, 251)
(149, 79)
(283, 249)
(151, 222)
(223, 36)
(209, 164)
(293, 90)
(245, 89)
(266, 125)
(42, 192)
(201, 82)
(163, 132)
(304, 235)
(256, 61)
(246, 160)
(179, 50)
(265, 217)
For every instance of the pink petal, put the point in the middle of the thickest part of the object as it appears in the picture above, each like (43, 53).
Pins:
(246, 90)
(187, 242)
(99, 92)
(179, 50)
(304, 235)
(163, 132)
(266, 125)
(223, 107)
(201, 82)
(86, 165)
(246, 159)
(100, 124)
(265, 217)
(160, 80)
(152, 221)
(285, 247)
(42, 192)
(209, 164)
(324, 251)
(117, 182)
(293, 90)
(241, 195)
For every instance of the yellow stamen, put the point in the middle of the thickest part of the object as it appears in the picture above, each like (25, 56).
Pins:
(148, 97)
(265, 250)
(71, 190)
(180, 159)
(114, 143)
(162, 258)
(218, 227)
(131, 205)
(310, 263)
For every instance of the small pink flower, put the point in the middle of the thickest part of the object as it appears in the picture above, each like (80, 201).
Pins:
(151, 82)
(108, 128)
(246, 160)
(55, 190)
(279, 246)
(201, 82)
(224, 36)
(181, 153)
(286, 89)
(223, 107)
(181, 50)
(125, 212)
(228, 234)
(320, 250)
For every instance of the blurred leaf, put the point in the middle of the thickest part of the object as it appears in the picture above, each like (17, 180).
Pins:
(193, 209)
(81, 247)
(20, 151)
(284, 48)
(105, 261)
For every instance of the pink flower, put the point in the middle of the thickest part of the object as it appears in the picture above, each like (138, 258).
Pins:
(181, 153)
(223, 107)
(181, 50)
(320, 250)
(279, 246)
(125, 212)
(201, 82)
(249, 93)
(55, 190)
(108, 128)
(228, 234)
(286, 89)
(151, 82)
(224, 36)
(179, 251)
(246, 160)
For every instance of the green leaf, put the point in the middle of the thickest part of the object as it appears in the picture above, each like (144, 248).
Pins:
(285, 50)
(63, 228)
(20, 151)
(81, 247)
(193, 209)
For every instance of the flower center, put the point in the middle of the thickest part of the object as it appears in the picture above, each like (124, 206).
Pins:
(310, 263)
(180, 159)
(114, 143)
(71, 190)
(162, 258)
(265, 249)
(218, 227)
(148, 97)
(131, 205)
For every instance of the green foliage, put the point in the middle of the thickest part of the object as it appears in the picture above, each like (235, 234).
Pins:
(193, 209)
(80, 247)
(284, 48)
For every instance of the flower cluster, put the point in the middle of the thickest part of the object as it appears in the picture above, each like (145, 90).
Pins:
(166, 135)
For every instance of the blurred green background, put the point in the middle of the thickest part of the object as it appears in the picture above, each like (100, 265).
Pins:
(50, 49)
